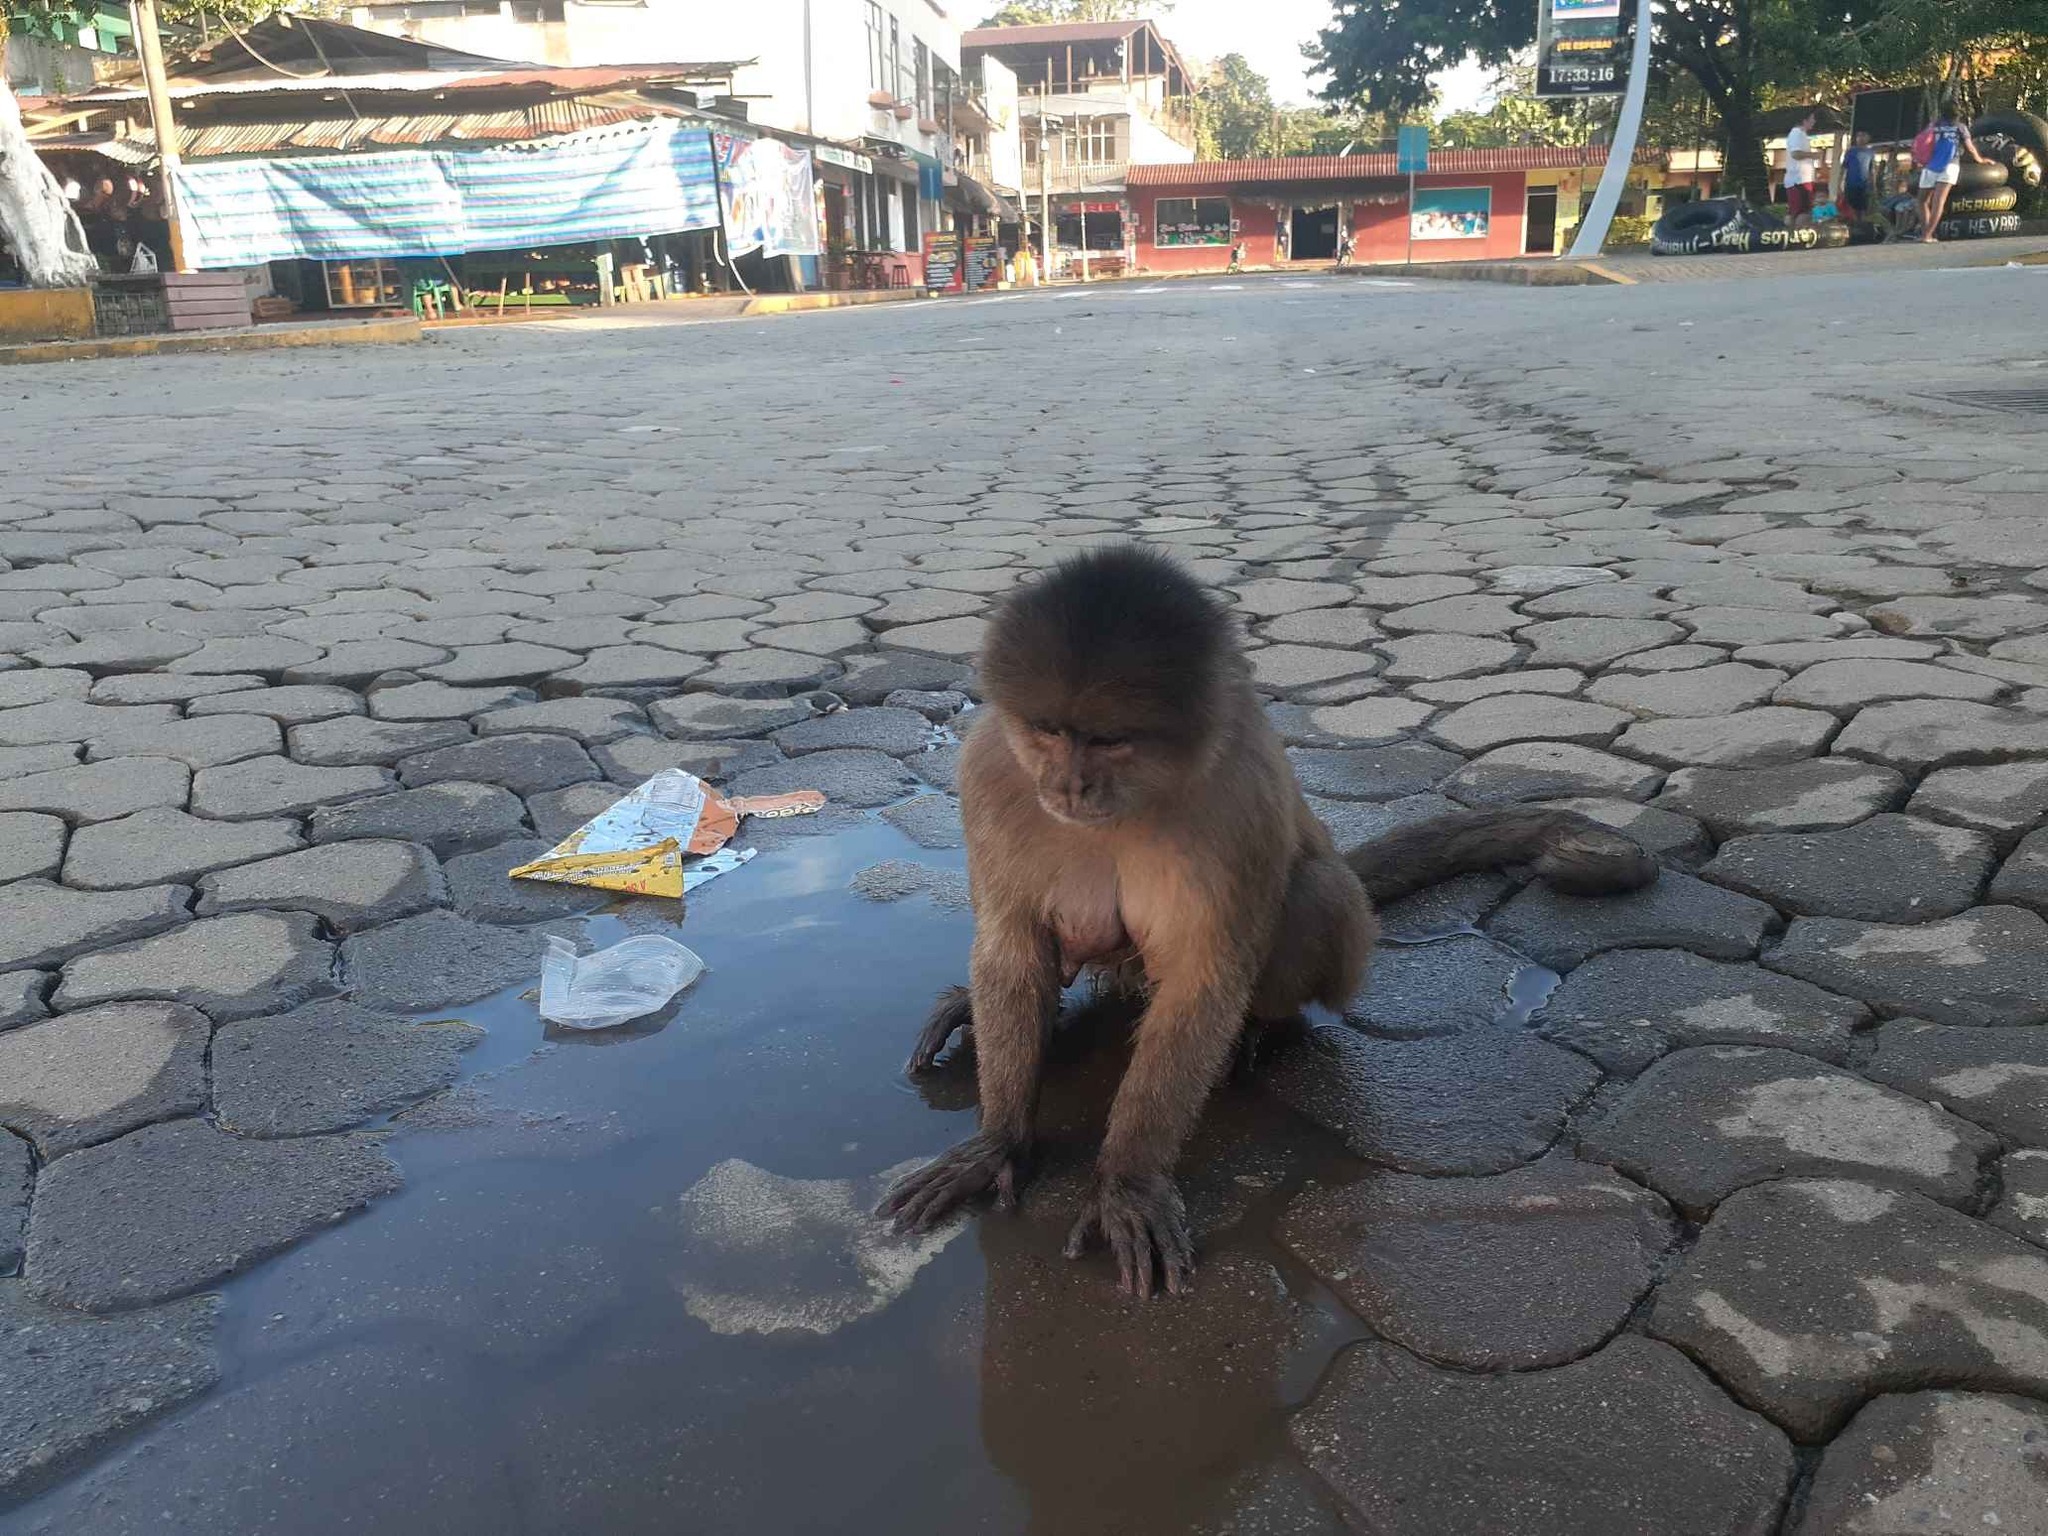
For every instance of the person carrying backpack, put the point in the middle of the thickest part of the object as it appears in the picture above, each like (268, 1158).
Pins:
(1940, 150)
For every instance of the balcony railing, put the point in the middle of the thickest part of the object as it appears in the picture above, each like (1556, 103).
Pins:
(1083, 176)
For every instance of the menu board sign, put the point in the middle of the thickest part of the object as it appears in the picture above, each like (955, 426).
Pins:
(942, 260)
(984, 261)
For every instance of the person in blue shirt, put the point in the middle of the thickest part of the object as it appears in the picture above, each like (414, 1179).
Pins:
(1952, 144)
(1856, 177)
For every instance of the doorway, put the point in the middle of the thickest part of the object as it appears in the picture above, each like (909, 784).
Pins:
(1539, 224)
(1312, 234)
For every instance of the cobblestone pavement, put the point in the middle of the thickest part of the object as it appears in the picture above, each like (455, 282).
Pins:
(1739, 1228)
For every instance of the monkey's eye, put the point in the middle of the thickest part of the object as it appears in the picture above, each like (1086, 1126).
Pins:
(1044, 728)
(1105, 741)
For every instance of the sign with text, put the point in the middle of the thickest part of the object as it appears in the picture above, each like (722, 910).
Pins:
(984, 261)
(1578, 48)
(1411, 150)
(942, 261)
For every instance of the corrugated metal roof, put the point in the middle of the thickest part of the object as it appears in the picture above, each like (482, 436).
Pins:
(1321, 168)
(595, 78)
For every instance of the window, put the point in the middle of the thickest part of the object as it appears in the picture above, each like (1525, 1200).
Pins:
(877, 62)
(924, 77)
(1092, 141)
(895, 86)
(1191, 221)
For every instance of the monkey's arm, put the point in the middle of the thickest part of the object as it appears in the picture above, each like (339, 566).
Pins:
(1014, 982)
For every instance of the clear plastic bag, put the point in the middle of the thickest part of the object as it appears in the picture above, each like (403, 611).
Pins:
(631, 979)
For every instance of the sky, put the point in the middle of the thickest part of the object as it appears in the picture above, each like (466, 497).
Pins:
(1270, 33)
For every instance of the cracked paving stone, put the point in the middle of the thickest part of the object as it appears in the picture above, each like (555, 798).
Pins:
(78, 1384)
(1679, 911)
(40, 685)
(1889, 869)
(871, 679)
(1997, 1078)
(512, 661)
(1668, 658)
(21, 997)
(287, 706)
(68, 1082)
(940, 767)
(449, 818)
(227, 967)
(100, 791)
(1693, 692)
(263, 655)
(1343, 628)
(526, 763)
(897, 732)
(1705, 1122)
(172, 1208)
(435, 960)
(1441, 911)
(1665, 836)
(19, 762)
(1554, 680)
(2023, 1206)
(2003, 799)
(1480, 1102)
(846, 775)
(930, 821)
(1439, 658)
(1807, 1297)
(1590, 644)
(351, 740)
(1748, 738)
(765, 672)
(710, 717)
(328, 1066)
(631, 667)
(936, 705)
(1510, 717)
(589, 719)
(1937, 733)
(1272, 596)
(48, 924)
(277, 786)
(1753, 626)
(481, 888)
(348, 886)
(31, 846)
(439, 701)
(1935, 1461)
(1987, 966)
(1434, 988)
(1627, 1007)
(1812, 796)
(1372, 773)
(202, 743)
(1632, 1441)
(1534, 1267)
(1966, 618)
(1845, 685)
(1547, 770)
(632, 759)
(2022, 881)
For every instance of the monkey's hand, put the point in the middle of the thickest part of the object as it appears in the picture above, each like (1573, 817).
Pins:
(921, 1200)
(1145, 1224)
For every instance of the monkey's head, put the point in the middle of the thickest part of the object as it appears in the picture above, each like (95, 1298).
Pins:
(1106, 675)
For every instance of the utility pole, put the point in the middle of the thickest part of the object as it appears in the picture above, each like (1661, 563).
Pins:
(1044, 194)
(149, 48)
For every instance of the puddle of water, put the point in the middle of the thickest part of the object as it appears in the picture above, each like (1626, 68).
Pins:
(559, 1322)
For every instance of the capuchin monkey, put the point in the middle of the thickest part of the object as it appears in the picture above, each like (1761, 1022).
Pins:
(1130, 809)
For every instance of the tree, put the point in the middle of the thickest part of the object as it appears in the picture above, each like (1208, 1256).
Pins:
(1234, 117)
(1025, 13)
(1515, 118)
(1381, 56)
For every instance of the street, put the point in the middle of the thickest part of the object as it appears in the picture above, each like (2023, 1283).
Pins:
(1722, 1206)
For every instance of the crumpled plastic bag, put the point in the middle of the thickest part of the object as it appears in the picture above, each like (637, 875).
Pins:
(627, 981)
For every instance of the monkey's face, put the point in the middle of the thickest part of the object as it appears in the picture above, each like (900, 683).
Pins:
(1087, 773)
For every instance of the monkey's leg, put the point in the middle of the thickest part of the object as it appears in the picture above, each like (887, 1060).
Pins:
(1015, 981)
(953, 1011)
(1184, 1042)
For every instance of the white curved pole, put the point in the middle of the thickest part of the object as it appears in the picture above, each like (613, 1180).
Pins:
(1621, 154)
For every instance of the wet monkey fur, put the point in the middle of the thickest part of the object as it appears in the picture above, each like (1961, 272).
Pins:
(1130, 808)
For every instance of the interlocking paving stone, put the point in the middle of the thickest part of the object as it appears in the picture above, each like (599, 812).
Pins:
(1468, 615)
(1752, 626)
(449, 818)
(525, 763)
(1507, 717)
(1997, 1078)
(1534, 1267)
(930, 821)
(513, 661)
(2004, 799)
(1341, 627)
(1435, 657)
(1270, 596)
(264, 655)
(1293, 669)
(277, 786)
(710, 717)
(2023, 1206)
(172, 1208)
(936, 705)
(589, 720)
(287, 706)
(1545, 770)
(765, 672)
(436, 959)
(439, 701)
(632, 759)
(21, 997)
(1371, 720)
(480, 888)
(348, 886)
(228, 967)
(31, 845)
(68, 1082)
(1592, 643)
(897, 732)
(99, 791)
(1888, 869)
(1627, 1007)
(19, 762)
(39, 685)
(1934, 1461)
(1810, 796)
(76, 1384)
(47, 924)
(1435, 988)
(1852, 684)
(1987, 966)
(1967, 618)
(2022, 880)
(1704, 1122)
(1634, 1440)
(556, 813)
(871, 679)
(201, 743)
(1463, 690)
(1679, 911)
(1695, 691)
(328, 1066)
(1806, 1297)
(349, 740)
(1479, 1102)
(17, 1178)
(847, 776)
(1371, 773)
(1938, 733)
(1663, 834)
(1666, 658)
(1744, 739)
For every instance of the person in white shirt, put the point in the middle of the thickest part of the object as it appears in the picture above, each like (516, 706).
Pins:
(1800, 161)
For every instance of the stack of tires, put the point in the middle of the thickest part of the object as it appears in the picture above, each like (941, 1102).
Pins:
(1727, 224)
(1987, 197)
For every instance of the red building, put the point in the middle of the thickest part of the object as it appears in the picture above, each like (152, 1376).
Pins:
(1473, 204)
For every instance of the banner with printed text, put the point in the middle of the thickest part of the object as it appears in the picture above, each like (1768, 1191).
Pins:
(767, 194)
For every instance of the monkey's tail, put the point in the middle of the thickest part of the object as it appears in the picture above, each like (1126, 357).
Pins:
(1567, 851)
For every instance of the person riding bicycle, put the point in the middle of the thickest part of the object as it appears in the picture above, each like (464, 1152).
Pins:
(1344, 249)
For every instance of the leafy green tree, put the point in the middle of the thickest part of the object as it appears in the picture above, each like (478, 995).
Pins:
(1516, 118)
(1234, 113)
